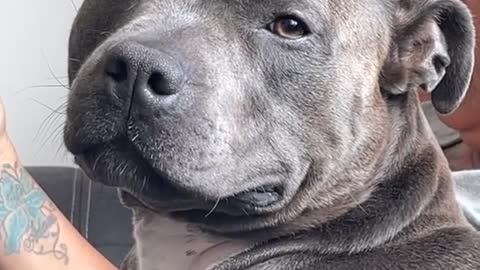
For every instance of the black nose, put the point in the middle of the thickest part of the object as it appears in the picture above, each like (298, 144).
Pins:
(150, 72)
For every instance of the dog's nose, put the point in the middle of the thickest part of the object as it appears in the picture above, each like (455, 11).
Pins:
(148, 72)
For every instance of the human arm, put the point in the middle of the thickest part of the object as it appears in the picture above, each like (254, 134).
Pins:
(34, 234)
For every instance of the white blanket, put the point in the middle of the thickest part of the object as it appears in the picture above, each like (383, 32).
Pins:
(468, 194)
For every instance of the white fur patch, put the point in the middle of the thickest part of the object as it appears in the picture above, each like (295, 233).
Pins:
(166, 244)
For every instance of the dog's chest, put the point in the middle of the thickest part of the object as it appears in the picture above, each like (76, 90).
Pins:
(163, 243)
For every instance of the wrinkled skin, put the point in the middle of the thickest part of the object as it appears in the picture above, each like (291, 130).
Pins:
(319, 137)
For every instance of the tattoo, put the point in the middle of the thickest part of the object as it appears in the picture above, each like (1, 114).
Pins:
(27, 220)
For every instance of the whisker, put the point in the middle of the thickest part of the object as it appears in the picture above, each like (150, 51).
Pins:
(74, 5)
(213, 208)
(47, 122)
(358, 203)
(60, 148)
(54, 118)
(52, 72)
(95, 164)
(58, 131)
(44, 105)
(144, 183)
(60, 77)
(122, 169)
(52, 138)
(245, 212)
(74, 60)
(40, 86)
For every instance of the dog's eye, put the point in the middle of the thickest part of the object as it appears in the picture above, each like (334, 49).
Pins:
(289, 27)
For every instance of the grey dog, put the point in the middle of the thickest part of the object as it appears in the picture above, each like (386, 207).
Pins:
(274, 134)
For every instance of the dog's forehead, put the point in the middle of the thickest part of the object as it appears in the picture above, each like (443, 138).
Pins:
(234, 5)
(246, 8)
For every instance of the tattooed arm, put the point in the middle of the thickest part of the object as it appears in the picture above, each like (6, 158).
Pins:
(33, 232)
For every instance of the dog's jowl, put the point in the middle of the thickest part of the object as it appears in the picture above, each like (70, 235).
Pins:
(274, 134)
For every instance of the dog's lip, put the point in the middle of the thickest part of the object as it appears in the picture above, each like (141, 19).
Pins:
(251, 201)
(82, 161)
(241, 202)
(263, 196)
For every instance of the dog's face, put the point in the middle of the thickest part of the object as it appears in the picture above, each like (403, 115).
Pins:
(214, 110)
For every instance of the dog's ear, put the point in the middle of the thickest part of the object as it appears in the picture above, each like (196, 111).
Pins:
(432, 49)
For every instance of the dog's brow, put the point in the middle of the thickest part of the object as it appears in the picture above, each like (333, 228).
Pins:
(264, 7)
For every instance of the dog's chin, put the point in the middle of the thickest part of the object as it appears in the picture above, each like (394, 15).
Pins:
(128, 172)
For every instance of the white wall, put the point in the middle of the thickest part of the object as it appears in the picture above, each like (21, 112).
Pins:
(34, 36)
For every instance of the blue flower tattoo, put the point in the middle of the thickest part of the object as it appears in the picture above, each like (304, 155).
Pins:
(25, 218)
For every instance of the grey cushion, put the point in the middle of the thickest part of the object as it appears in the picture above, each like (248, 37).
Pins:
(92, 208)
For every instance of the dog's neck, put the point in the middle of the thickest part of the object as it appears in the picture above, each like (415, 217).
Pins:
(163, 243)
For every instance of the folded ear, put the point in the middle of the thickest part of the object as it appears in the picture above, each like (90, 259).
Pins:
(433, 49)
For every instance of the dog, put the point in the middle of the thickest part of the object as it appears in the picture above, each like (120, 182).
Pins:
(274, 134)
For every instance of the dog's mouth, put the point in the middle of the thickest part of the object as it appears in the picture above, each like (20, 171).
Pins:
(264, 196)
(159, 193)
(248, 203)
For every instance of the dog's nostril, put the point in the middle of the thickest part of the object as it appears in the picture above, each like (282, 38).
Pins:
(160, 85)
(117, 70)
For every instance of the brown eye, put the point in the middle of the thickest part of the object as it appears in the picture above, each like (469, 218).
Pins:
(289, 27)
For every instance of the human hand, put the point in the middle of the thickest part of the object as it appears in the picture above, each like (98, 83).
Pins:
(7, 151)
(3, 122)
